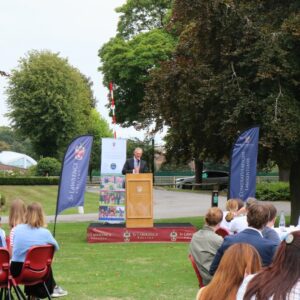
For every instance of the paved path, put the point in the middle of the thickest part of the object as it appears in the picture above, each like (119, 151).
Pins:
(167, 204)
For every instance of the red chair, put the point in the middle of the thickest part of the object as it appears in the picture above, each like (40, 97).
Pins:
(7, 239)
(36, 268)
(196, 270)
(4, 273)
(222, 231)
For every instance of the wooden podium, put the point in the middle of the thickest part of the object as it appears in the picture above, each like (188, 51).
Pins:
(139, 200)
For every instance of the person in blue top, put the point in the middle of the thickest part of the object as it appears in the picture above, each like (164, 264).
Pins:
(32, 233)
(2, 237)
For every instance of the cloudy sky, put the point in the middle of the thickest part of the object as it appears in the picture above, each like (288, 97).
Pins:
(75, 28)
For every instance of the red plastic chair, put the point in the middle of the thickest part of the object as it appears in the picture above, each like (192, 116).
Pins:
(7, 239)
(36, 268)
(4, 273)
(196, 270)
(222, 231)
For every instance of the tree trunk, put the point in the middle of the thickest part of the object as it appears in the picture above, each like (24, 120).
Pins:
(295, 191)
(198, 173)
(284, 173)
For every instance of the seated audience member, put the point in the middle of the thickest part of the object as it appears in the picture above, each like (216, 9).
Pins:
(16, 216)
(2, 237)
(257, 218)
(32, 233)
(206, 242)
(240, 222)
(241, 207)
(239, 259)
(229, 214)
(268, 232)
(281, 280)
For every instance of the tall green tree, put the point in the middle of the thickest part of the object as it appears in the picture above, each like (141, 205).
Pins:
(140, 45)
(127, 64)
(49, 101)
(142, 15)
(236, 65)
(14, 142)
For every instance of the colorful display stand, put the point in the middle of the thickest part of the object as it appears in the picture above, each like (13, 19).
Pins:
(112, 199)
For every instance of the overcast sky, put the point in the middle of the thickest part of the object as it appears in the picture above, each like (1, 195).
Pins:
(75, 28)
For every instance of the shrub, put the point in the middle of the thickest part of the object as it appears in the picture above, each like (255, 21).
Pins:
(31, 171)
(29, 180)
(273, 191)
(48, 166)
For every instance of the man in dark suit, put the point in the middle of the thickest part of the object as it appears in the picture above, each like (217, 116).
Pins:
(135, 164)
(257, 217)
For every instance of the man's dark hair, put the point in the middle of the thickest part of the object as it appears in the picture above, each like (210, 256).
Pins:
(257, 216)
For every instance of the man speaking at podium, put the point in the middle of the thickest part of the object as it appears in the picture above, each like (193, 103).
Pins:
(135, 164)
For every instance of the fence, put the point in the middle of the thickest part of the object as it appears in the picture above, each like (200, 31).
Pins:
(171, 180)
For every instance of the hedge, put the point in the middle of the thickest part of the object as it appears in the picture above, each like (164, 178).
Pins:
(273, 191)
(51, 180)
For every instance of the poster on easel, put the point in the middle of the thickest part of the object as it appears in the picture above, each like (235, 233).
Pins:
(112, 182)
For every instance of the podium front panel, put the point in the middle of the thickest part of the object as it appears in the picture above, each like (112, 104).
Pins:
(139, 203)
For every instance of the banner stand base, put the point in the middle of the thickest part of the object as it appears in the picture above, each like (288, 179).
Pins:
(160, 233)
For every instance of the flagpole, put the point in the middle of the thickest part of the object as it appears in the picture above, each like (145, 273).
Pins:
(58, 192)
(113, 107)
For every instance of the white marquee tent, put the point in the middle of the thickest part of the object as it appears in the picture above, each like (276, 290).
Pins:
(15, 159)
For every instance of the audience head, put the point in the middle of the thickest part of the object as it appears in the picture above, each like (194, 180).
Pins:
(238, 260)
(257, 216)
(214, 216)
(231, 207)
(241, 203)
(16, 213)
(250, 201)
(272, 211)
(35, 216)
(278, 279)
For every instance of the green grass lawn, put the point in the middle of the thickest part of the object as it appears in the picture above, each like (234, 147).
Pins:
(123, 270)
(112, 271)
(45, 194)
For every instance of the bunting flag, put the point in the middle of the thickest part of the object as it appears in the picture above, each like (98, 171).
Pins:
(74, 173)
(243, 165)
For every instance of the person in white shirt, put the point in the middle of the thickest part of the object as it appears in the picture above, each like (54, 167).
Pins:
(240, 223)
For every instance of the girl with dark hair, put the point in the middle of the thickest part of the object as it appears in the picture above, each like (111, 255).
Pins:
(238, 260)
(279, 281)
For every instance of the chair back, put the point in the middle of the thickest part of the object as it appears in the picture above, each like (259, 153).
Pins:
(36, 266)
(200, 281)
(7, 239)
(222, 231)
(4, 267)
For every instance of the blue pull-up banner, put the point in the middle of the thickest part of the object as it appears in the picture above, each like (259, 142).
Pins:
(243, 165)
(74, 173)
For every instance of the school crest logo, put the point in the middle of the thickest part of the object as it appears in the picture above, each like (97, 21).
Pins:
(79, 152)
